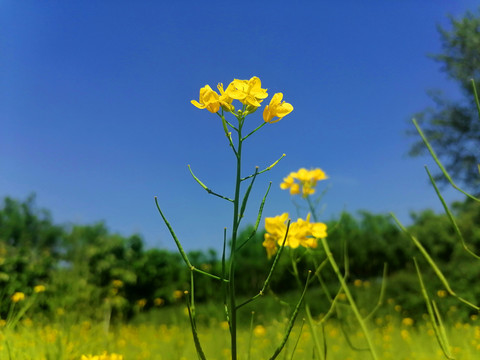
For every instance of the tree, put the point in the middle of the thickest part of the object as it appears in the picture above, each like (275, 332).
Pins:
(453, 127)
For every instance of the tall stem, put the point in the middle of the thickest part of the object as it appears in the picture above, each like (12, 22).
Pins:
(343, 283)
(236, 220)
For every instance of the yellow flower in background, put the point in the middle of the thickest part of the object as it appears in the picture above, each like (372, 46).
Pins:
(103, 356)
(18, 296)
(259, 331)
(319, 230)
(277, 109)
(158, 301)
(248, 92)
(178, 294)
(270, 245)
(300, 233)
(442, 293)
(141, 303)
(38, 289)
(289, 183)
(117, 283)
(209, 100)
(305, 179)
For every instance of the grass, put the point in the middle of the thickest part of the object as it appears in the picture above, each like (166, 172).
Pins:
(166, 335)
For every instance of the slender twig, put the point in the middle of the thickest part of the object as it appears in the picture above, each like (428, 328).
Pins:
(251, 336)
(298, 339)
(382, 292)
(224, 288)
(476, 96)
(270, 273)
(198, 346)
(292, 320)
(450, 216)
(177, 242)
(434, 316)
(254, 131)
(440, 165)
(349, 297)
(246, 195)
(432, 263)
(264, 170)
(206, 188)
(259, 217)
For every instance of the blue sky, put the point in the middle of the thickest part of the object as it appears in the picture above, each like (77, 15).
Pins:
(95, 113)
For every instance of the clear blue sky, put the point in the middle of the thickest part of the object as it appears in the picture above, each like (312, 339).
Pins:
(95, 113)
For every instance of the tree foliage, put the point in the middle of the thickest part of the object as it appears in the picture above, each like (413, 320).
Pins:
(90, 272)
(452, 127)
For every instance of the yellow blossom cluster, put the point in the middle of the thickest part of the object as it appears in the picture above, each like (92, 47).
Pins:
(39, 288)
(249, 93)
(303, 181)
(104, 356)
(18, 296)
(300, 233)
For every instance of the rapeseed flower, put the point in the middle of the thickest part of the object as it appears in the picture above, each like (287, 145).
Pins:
(248, 92)
(103, 356)
(18, 296)
(277, 109)
(225, 99)
(259, 330)
(117, 283)
(39, 288)
(158, 301)
(300, 233)
(303, 181)
(208, 99)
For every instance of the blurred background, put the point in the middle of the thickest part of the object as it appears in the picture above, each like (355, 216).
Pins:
(96, 119)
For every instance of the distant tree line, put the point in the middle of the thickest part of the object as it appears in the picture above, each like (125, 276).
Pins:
(88, 271)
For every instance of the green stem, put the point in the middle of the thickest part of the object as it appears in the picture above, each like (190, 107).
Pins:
(349, 296)
(236, 220)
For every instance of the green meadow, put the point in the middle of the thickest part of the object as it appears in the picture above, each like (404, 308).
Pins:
(361, 286)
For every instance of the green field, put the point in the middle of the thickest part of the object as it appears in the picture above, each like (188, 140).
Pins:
(394, 337)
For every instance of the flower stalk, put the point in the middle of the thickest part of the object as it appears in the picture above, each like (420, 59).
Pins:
(250, 94)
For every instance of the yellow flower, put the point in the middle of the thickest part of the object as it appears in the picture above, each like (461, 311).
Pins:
(407, 321)
(270, 244)
(307, 179)
(209, 100)
(18, 296)
(442, 293)
(358, 283)
(289, 183)
(248, 92)
(117, 283)
(158, 301)
(177, 294)
(39, 288)
(259, 331)
(103, 356)
(276, 109)
(141, 303)
(319, 230)
(300, 233)
(225, 99)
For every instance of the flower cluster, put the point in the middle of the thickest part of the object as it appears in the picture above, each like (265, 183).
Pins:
(306, 179)
(249, 93)
(18, 296)
(300, 233)
(104, 356)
